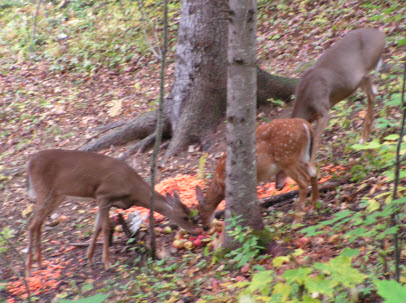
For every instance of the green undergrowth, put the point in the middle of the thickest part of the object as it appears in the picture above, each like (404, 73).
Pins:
(83, 35)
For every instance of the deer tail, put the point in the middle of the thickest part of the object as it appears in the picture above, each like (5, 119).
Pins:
(311, 169)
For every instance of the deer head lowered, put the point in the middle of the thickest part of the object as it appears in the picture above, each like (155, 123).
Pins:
(335, 76)
(54, 175)
(283, 144)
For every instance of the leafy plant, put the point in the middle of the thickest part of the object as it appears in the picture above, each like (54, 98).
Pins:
(250, 246)
(5, 234)
(391, 291)
(318, 283)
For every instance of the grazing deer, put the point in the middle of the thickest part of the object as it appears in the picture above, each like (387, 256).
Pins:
(283, 144)
(54, 175)
(335, 76)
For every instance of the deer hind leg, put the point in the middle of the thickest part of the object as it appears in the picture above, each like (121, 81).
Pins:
(102, 224)
(298, 173)
(312, 172)
(322, 123)
(366, 85)
(315, 192)
(44, 207)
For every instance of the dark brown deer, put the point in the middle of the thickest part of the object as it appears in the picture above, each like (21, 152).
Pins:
(336, 75)
(283, 144)
(54, 175)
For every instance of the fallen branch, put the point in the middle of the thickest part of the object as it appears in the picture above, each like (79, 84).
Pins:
(272, 200)
(85, 244)
(276, 199)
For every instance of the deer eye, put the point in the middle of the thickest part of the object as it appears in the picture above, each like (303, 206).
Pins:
(186, 219)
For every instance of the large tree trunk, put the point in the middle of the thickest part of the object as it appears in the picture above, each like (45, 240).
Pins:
(241, 179)
(197, 99)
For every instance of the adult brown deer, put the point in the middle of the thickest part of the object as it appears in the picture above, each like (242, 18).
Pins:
(54, 175)
(282, 144)
(343, 68)
(335, 76)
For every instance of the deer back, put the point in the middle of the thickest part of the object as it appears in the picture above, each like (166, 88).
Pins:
(69, 173)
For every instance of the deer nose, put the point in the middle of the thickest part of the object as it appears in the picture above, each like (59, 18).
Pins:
(205, 228)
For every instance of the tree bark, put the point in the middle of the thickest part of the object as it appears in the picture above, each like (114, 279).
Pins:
(275, 87)
(197, 101)
(241, 176)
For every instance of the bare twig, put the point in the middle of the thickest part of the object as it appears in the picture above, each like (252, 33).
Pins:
(14, 248)
(158, 131)
(35, 26)
(394, 217)
(144, 29)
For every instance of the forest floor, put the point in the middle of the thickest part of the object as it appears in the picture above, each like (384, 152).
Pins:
(64, 110)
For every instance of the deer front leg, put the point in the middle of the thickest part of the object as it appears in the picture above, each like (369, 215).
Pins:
(105, 221)
(97, 230)
(322, 123)
(366, 85)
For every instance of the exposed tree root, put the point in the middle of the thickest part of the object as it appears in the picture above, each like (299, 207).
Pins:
(137, 129)
(140, 146)
(143, 127)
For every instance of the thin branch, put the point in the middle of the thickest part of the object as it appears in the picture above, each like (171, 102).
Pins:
(13, 247)
(394, 218)
(144, 29)
(158, 131)
(35, 26)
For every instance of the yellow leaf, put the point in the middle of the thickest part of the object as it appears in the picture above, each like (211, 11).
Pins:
(278, 261)
(373, 205)
(115, 108)
(137, 87)
(27, 211)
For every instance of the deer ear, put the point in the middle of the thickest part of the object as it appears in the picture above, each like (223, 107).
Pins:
(169, 198)
(176, 196)
(199, 195)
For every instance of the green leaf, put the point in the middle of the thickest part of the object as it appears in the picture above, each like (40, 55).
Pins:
(278, 261)
(261, 281)
(373, 205)
(307, 299)
(320, 284)
(401, 42)
(298, 275)
(312, 231)
(349, 252)
(392, 137)
(93, 299)
(390, 231)
(356, 233)
(283, 290)
(341, 271)
(391, 291)
(298, 252)
(368, 145)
